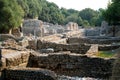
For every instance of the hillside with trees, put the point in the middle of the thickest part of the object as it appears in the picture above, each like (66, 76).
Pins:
(14, 10)
(50, 12)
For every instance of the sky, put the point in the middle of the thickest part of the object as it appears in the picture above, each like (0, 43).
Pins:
(81, 4)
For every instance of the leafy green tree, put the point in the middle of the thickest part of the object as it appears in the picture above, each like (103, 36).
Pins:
(112, 14)
(79, 21)
(11, 15)
(85, 23)
(32, 8)
(100, 17)
(51, 13)
(65, 12)
(88, 14)
(25, 7)
(71, 18)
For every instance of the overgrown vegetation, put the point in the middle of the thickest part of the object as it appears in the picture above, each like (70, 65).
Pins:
(106, 54)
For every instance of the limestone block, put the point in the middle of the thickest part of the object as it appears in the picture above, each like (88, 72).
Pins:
(13, 59)
(93, 51)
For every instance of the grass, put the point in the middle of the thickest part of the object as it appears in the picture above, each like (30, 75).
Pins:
(106, 54)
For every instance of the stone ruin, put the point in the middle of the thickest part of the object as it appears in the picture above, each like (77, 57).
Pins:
(34, 27)
(76, 57)
(49, 57)
(72, 26)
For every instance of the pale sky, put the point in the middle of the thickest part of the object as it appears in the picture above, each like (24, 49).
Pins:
(81, 4)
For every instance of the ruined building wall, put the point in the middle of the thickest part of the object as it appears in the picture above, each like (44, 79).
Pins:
(28, 74)
(73, 64)
(92, 40)
(76, 48)
(34, 27)
(13, 59)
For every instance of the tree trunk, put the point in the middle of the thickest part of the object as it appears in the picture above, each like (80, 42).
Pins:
(10, 31)
(114, 31)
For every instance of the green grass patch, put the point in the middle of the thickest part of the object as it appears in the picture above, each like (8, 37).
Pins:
(106, 54)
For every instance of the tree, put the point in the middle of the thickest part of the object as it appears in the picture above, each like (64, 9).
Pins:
(11, 15)
(85, 23)
(112, 14)
(71, 18)
(88, 14)
(51, 13)
(100, 17)
(25, 7)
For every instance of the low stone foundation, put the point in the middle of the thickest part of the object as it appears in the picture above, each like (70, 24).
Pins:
(13, 58)
(73, 64)
(108, 47)
(93, 40)
(75, 48)
(28, 74)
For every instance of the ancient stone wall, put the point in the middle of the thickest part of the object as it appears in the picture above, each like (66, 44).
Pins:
(9, 36)
(103, 44)
(80, 32)
(76, 48)
(92, 32)
(6, 37)
(51, 38)
(72, 26)
(34, 27)
(92, 40)
(14, 58)
(73, 64)
(16, 32)
(28, 74)
(32, 44)
(108, 47)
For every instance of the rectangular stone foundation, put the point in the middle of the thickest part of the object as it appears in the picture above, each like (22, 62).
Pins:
(28, 74)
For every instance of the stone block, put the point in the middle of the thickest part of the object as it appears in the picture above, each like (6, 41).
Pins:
(93, 51)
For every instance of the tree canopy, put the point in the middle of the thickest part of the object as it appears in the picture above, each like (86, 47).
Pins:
(50, 12)
(112, 14)
(11, 15)
(12, 12)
